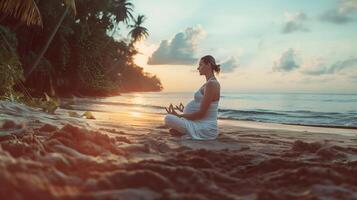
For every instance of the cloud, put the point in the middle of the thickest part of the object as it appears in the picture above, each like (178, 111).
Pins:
(229, 66)
(322, 69)
(180, 50)
(344, 13)
(287, 62)
(348, 6)
(295, 22)
(334, 16)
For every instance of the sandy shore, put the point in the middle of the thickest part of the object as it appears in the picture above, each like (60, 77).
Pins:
(132, 156)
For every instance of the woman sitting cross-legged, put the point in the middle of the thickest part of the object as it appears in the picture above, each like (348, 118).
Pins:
(199, 118)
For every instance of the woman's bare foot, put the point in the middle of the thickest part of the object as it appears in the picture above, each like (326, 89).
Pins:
(175, 133)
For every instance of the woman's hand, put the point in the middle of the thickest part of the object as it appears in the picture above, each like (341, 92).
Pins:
(180, 107)
(171, 110)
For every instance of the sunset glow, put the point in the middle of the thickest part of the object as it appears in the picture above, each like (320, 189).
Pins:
(278, 46)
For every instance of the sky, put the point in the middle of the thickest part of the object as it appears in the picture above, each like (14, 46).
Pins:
(262, 46)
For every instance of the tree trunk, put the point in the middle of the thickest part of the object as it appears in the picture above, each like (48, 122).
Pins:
(52, 89)
(44, 49)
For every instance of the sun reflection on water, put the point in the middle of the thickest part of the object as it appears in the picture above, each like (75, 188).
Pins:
(137, 100)
(135, 114)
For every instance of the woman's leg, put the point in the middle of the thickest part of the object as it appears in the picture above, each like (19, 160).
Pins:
(175, 123)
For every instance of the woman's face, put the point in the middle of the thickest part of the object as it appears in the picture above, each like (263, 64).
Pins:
(203, 68)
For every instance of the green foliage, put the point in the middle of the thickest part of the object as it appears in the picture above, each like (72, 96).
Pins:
(47, 104)
(13, 96)
(10, 73)
(7, 38)
(82, 58)
(42, 77)
(45, 67)
(10, 67)
(138, 32)
(50, 105)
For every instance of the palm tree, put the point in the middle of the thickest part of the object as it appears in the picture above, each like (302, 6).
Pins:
(138, 32)
(26, 10)
(70, 6)
(123, 10)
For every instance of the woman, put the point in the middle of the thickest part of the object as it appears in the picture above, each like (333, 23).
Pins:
(199, 118)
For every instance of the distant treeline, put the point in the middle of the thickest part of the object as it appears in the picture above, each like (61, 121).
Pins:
(70, 50)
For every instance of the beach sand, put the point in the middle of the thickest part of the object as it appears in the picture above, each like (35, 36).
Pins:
(133, 156)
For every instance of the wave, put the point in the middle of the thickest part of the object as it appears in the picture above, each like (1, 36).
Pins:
(298, 117)
(249, 112)
(287, 113)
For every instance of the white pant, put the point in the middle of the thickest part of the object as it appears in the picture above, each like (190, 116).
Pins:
(177, 123)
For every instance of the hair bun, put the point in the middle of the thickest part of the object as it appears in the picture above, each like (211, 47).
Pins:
(208, 59)
(217, 68)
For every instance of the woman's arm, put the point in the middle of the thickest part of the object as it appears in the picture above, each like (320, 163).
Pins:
(210, 90)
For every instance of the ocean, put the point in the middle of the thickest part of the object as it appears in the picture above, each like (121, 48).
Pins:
(332, 110)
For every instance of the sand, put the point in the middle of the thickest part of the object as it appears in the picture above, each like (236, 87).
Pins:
(123, 156)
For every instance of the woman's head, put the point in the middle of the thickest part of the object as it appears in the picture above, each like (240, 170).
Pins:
(208, 65)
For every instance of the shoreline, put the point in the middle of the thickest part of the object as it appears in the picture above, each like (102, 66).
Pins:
(282, 123)
(122, 103)
(291, 127)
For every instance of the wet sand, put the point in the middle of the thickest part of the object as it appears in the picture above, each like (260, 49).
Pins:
(132, 156)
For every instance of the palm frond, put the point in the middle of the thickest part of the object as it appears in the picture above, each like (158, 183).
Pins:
(25, 10)
(140, 20)
(138, 32)
(123, 10)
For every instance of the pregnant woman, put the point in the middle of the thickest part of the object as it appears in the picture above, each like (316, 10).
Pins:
(199, 118)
